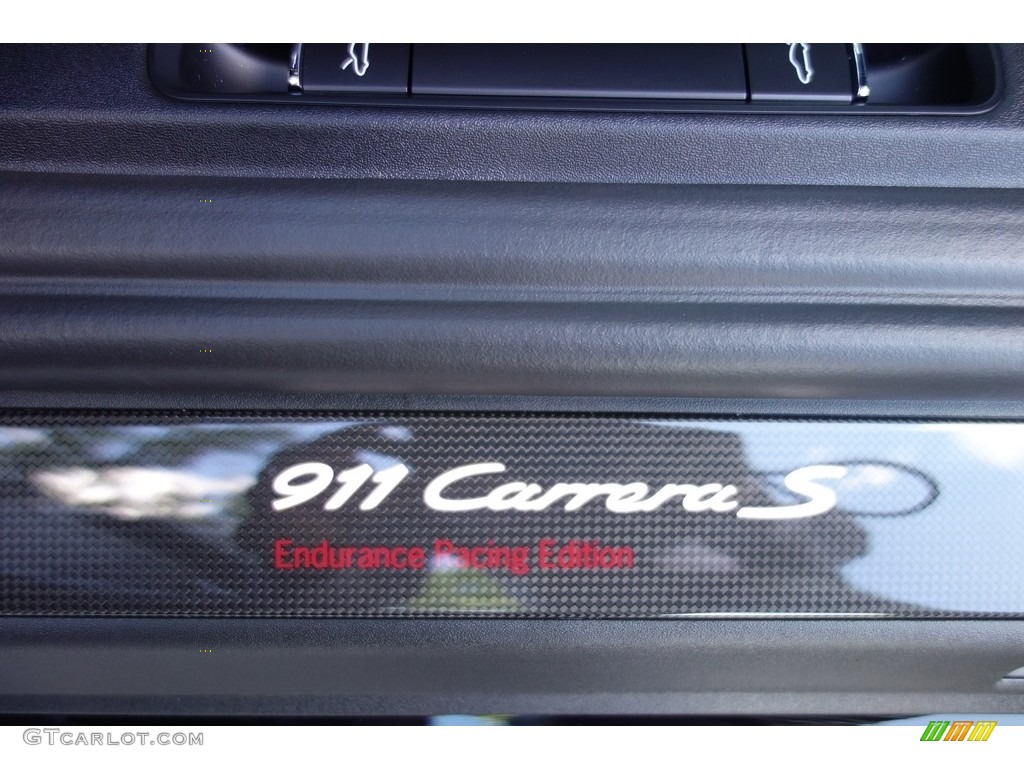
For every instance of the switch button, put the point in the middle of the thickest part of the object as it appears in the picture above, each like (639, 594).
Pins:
(804, 72)
(355, 68)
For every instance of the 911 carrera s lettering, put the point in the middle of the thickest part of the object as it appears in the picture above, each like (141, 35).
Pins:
(531, 497)
(301, 483)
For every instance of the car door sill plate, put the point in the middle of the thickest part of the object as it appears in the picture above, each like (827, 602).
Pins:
(559, 516)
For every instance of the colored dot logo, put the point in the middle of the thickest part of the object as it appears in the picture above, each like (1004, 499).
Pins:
(205, 199)
(208, 349)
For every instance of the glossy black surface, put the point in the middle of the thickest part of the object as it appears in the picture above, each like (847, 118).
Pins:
(709, 72)
(180, 515)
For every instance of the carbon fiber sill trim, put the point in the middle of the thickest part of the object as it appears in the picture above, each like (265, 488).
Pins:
(432, 515)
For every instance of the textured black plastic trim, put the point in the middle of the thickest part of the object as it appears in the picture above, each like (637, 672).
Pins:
(329, 287)
(52, 122)
(363, 667)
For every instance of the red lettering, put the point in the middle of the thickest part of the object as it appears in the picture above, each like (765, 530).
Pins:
(626, 556)
(398, 558)
(546, 546)
(417, 558)
(279, 554)
(443, 548)
(318, 555)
